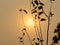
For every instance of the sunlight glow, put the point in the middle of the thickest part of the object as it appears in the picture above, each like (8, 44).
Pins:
(30, 22)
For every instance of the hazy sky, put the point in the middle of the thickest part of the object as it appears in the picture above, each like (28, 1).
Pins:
(10, 19)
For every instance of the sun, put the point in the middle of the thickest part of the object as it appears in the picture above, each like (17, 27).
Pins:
(30, 22)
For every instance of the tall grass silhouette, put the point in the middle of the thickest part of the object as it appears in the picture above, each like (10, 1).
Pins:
(36, 12)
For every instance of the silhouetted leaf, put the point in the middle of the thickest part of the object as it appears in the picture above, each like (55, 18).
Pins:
(58, 33)
(20, 9)
(40, 7)
(55, 31)
(35, 7)
(41, 40)
(51, 14)
(38, 17)
(24, 28)
(36, 2)
(21, 41)
(40, 13)
(33, 4)
(25, 11)
(59, 36)
(58, 26)
(35, 16)
(55, 39)
(33, 39)
(52, 0)
(34, 11)
(20, 38)
(37, 43)
(43, 19)
(41, 3)
(38, 39)
(23, 33)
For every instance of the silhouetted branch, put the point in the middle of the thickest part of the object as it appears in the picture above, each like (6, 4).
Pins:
(37, 7)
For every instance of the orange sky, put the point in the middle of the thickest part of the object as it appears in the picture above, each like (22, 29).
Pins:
(10, 19)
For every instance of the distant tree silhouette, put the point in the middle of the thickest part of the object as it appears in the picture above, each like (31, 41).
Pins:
(56, 38)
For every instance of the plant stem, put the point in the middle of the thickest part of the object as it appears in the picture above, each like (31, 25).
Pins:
(35, 27)
(23, 24)
(48, 23)
(29, 37)
(26, 30)
(23, 38)
(40, 33)
(48, 30)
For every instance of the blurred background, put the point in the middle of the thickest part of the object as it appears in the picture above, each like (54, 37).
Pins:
(11, 20)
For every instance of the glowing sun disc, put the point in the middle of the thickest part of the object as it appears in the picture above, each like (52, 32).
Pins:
(30, 22)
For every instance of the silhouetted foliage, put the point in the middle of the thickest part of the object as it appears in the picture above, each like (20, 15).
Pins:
(52, 0)
(23, 34)
(57, 30)
(36, 2)
(41, 40)
(33, 39)
(20, 39)
(20, 9)
(40, 13)
(37, 43)
(38, 39)
(34, 11)
(51, 14)
(40, 7)
(41, 3)
(43, 19)
(24, 28)
(25, 11)
(58, 26)
(33, 4)
(38, 17)
(35, 7)
(55, 39)
(35, 16)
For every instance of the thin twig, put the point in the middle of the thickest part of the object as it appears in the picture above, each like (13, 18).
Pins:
(48, 25)
(26, 30)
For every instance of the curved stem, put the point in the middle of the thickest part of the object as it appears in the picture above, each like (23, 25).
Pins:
(48, 25)
(40, 27)
(41, 33)
(44, 12)
(35, 29)
(48, 31)
(29, 37)
(26, 30)
(34, 21)
(40, 30)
